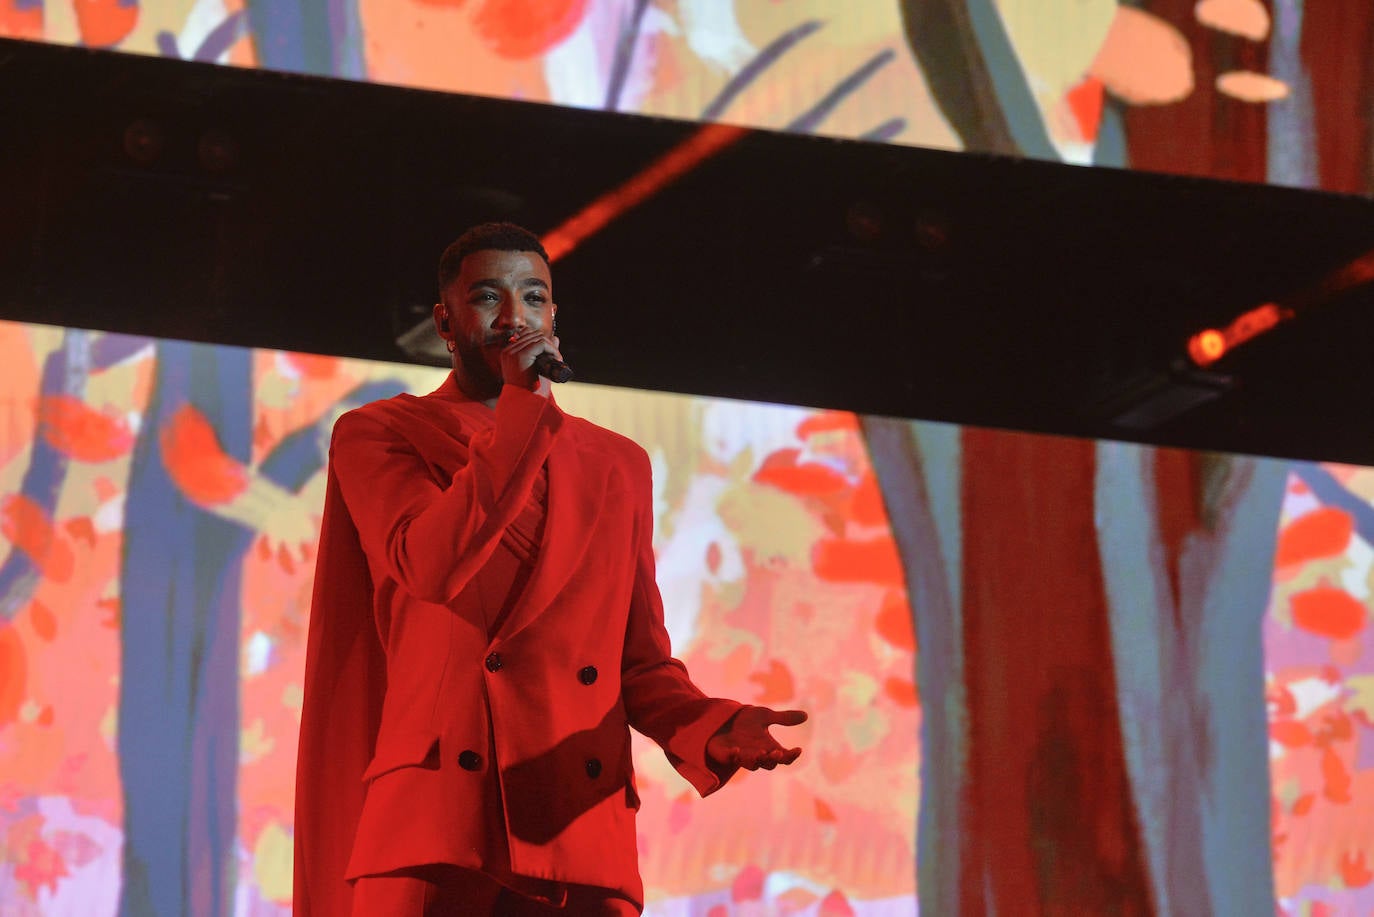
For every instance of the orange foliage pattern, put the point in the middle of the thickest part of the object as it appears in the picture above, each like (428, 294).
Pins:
(105, 23)
(1320, 673)
(72, 427)
(195, 461)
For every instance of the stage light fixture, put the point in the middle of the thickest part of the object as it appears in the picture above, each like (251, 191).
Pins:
(1151, 399)
(864, 221)
(1206, 347)
(1209, 346)
(932, 231)
(217, 150)
(144, 141)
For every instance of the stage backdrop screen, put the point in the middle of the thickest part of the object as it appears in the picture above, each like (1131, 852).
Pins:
(159, 512)
(1231, 89)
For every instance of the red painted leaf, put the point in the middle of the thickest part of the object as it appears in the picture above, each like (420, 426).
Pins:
(105, 23)
(527, 28)
(1336, 777)
(776, 685)
(1085, 100)
(1324, 532)
(894, 623)
(21, 20)
(1329, 612)
(871, 561)
(27, 526)
(835, 904)
(81, 528)
(1290, 733)
(901, 690)
(748, 884)
(313, 365)
(867, 506)
(809, 479)
(713, 557)
(13, 673)
(196, 462)
(74, 428)
(1355, 870)
(40, 867)
(44, 622)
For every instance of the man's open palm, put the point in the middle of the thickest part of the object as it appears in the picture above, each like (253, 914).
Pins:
(745, 742)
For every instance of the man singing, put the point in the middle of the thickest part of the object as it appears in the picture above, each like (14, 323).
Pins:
(485, 627)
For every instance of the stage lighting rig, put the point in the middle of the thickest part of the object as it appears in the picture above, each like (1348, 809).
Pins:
(1153, 398)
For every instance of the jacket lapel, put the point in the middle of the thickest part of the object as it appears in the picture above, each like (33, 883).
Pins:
(576, 486)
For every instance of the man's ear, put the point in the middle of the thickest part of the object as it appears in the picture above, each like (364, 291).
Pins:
(441, 317)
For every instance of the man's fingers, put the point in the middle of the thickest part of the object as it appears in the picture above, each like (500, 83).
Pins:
(786, 717)
(531, 343)
(765, 759)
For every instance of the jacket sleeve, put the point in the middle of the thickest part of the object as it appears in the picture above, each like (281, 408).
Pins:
(431, 539)
(660, 698)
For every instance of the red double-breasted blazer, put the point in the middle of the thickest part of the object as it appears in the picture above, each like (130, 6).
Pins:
(425, 738)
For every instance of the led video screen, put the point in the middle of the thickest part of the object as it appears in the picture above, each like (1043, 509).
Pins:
(161, 510)
(1232, 89)
(160, 514)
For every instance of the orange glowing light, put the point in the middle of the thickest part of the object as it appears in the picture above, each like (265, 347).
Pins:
(1206, 347)
(1355, 274)
(681, 159)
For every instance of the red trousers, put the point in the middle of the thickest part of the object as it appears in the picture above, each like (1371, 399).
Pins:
(448, 891)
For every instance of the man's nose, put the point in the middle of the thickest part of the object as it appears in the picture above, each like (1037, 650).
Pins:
(511, 314)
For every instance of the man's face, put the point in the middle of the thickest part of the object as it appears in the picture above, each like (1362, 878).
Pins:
(496, 294)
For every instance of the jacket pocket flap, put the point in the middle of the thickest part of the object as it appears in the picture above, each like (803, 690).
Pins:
(398, 748)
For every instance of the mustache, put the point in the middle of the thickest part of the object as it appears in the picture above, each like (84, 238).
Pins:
(497, 340)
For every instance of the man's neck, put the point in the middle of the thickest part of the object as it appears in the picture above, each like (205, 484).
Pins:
(483, 394)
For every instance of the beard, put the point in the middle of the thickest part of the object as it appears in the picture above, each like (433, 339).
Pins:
(476, 365)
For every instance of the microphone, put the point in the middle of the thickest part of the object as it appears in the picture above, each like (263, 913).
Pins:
(552, 368)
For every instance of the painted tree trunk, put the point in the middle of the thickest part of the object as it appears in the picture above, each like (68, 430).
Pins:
(323, 37)
(1048, 825)
(1208, 133)
(917, 466)
(178, 698)
(1094, 735)
(1187, 541)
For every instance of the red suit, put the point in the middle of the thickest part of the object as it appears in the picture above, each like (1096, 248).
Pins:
(474, 661)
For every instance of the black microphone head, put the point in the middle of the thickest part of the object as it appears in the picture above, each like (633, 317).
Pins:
(553, 369)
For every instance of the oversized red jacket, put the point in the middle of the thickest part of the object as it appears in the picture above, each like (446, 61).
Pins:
(425, 740)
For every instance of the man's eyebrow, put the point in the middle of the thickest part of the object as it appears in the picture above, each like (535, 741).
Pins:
(496, 282)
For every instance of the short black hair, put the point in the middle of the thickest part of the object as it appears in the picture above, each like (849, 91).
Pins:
(501, 237)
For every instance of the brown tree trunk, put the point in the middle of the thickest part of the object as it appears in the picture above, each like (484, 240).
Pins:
(1207, 134)
(1049, 823)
